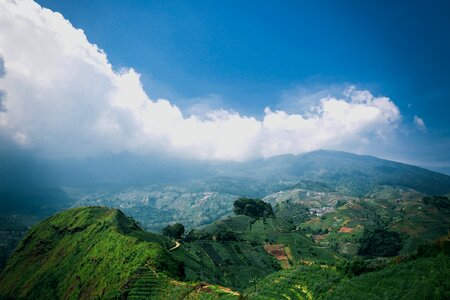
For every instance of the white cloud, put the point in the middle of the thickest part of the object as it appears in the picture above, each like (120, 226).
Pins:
(64, 99)
(420, 124)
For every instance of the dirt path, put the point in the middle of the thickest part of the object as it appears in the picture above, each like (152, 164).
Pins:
(177, 245)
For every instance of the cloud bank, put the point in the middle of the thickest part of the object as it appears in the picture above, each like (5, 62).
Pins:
(60, 97)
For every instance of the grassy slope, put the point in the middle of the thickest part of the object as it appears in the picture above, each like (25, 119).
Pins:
(239, 263)
(93, 252)
(425, 278)
(416, 221)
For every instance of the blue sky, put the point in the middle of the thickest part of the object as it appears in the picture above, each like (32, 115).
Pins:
(287, 55)
(250, 53)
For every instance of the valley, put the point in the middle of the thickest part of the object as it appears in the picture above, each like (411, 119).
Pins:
(311, 238)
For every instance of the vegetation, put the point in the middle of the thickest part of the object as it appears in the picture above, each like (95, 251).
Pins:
(424, 278)
(296, 213)
(92, 252)
(303, 282)
(441, 202)
(238, 250)
(226, 236)
(174, 231)
(380, 242)
(315, 243)
(340, 203)
(252, 207)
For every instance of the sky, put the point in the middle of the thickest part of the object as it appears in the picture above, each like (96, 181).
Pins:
(226, 80)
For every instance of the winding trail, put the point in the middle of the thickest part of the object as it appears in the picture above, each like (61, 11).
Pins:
(177, 245)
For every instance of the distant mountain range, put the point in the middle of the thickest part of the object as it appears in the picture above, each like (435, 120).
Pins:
(346, 172)
(157, 192)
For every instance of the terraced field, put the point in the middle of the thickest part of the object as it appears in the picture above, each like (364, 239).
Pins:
(303, 282)
(423, 278)
(408, 215)
(238, 263)
(233, 264)
(148, 284)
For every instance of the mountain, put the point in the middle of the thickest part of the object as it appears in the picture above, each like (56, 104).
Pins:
(96, 252)
(202, 199)
(348, 173)
(157, 192)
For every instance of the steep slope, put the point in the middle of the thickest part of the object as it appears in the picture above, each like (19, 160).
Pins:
(424, 278)
(238, 250)
(93, 252)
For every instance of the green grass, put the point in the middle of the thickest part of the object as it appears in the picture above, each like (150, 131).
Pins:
(415, 221)
(303, 282)
(231, 264)
(91, 252)
(96, 252)
(238, 263)
(424, 278)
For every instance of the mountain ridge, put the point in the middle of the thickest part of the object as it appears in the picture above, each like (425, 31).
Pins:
(94, 252)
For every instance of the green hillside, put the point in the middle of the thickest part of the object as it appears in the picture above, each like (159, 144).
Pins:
(415, 221)
(95, 252)
(238, 250)
(99, 252)
(308, 245)
(424, 278)
(338, 222)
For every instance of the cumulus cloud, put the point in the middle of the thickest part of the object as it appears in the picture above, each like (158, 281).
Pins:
(64, 99)
(419, 123)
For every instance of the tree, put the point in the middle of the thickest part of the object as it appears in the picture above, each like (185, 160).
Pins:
(252, 207)
(174, 231)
